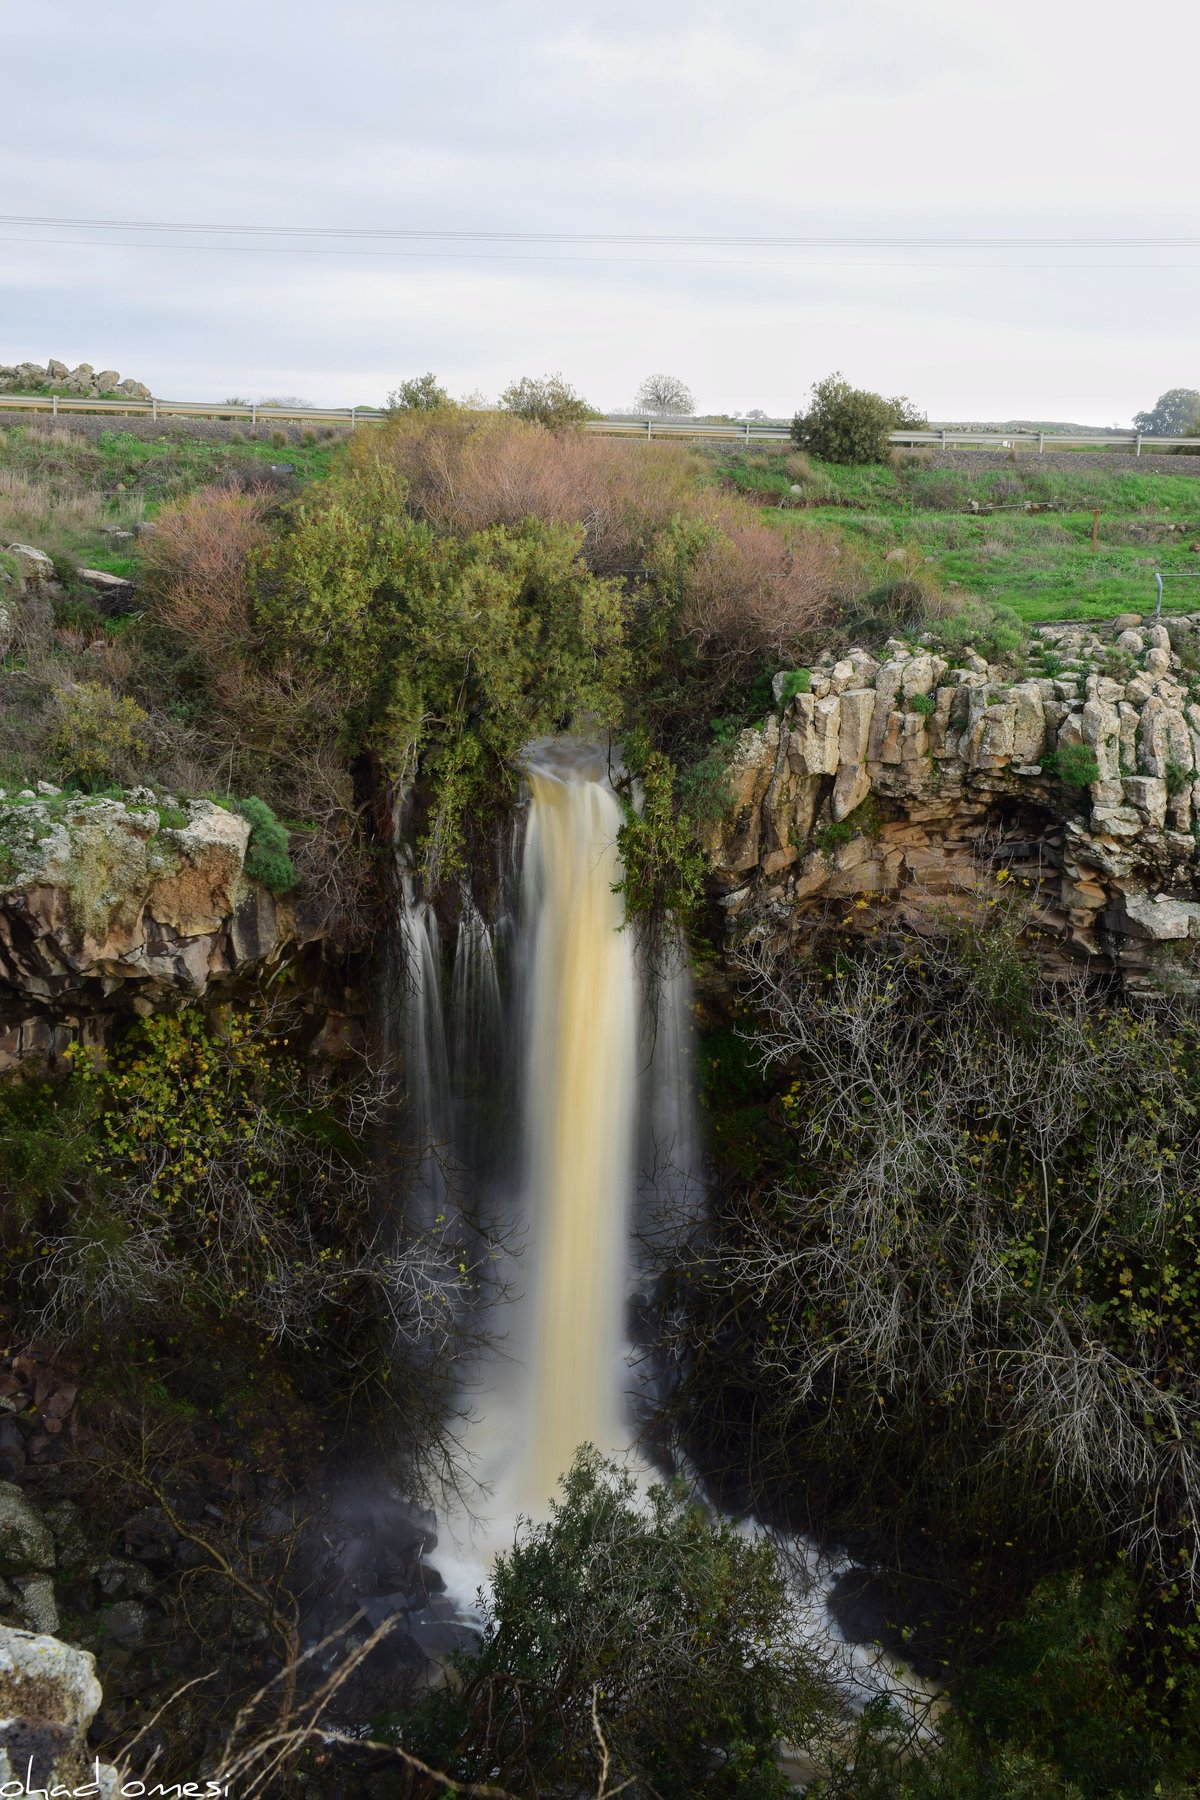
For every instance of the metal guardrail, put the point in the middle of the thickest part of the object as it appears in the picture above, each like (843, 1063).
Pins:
(746, 431)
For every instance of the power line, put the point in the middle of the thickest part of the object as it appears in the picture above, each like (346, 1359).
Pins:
(661, 240)
(516, 256)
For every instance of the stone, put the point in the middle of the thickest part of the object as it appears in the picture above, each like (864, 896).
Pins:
(813, 742)
(126, 1623)
(106, 380)
(1131, 641)
(56, 370)
(33, 566)
(49, 1696)
(1149, 796)
(105, 582)
(37, 1603)
(1160, 917)
(26, 1541)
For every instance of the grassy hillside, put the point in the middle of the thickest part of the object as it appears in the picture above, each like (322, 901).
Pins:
(1040, 563)
(69, 494)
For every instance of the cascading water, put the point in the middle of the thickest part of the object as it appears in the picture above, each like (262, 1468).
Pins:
(594, 1058)
(582, 1092)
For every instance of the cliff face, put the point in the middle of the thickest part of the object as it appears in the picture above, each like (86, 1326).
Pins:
(921, 786)
(111, 907)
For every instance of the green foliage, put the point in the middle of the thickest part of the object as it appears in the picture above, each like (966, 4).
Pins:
(267, 858)
(1174, 414)
(924, 704)
(676, 1629)
(43, 1144)
(219, 1174)
(1054, 1711)
(995, 632)
(663, 866)
(1074, 765)
(829, 838)
(796, 681)
(845, 424)
(546, 400)
(447, 655)
(420, 393)
(1179, 777)
(96, 735)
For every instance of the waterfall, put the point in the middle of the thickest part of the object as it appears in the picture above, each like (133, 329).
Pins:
(426, 1060)
(581, 1090)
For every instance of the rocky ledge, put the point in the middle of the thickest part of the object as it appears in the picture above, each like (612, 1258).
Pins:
(921, 778)
(109, 906)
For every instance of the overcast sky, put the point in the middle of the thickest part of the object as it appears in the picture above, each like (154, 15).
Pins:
(802, 118)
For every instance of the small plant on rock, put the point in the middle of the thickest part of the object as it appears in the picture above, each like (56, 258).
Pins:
(267, 858)
(1072, 764)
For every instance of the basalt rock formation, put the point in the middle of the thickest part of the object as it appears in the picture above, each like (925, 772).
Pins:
(911, 784)
(82, 382)
(111, 907)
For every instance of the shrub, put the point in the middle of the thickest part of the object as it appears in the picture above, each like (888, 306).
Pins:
(845, 424)
(463, 473)
(194, 568)
(796, 681)
(1074, 765)
(546, 400)
(267, 858)
(96, 737)
(645, 1640)
(925, 704)
(420, 393)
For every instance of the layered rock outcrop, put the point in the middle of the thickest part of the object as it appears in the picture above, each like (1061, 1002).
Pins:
(918, 780)
(111, 906)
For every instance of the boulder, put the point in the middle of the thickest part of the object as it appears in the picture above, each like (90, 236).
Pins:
(33, 566)
(26, 1541)
(49, 1696)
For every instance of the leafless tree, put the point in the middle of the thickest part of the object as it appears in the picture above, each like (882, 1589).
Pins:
(665, 396)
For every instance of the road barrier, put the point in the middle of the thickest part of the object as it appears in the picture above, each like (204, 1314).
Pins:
(746, 431)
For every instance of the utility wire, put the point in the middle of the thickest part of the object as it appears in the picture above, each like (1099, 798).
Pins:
(517, 256)
(650, 239)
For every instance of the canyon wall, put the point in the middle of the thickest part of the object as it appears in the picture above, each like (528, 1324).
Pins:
(909, 784)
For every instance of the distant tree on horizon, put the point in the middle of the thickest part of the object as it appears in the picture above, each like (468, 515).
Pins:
(1174, 414)
(664, 396)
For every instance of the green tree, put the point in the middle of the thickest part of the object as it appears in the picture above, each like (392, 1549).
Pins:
(546, 400)
(449, 654)
(1174, 414)
(420, 393)
(846, 424)
(648, 1629)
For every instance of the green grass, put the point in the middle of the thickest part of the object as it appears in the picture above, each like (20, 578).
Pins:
(1038, 564)
(59, 490)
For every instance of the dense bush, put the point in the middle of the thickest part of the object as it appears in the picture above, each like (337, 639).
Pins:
(448, 655)
(642, 1639)
(420, 393)
(95, 737)
(546, 400)
(845, 424)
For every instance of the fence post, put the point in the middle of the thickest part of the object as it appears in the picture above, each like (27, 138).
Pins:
(1041, 443)
(943, 437)
(254, 414)
(54, 405)
(648, 425)
(154, 406)
(353, 417)
(1138, 452)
